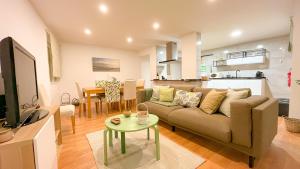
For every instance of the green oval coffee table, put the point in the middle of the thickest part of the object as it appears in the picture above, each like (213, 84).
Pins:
(129, 124)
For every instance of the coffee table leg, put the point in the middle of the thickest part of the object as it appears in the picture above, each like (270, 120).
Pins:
(123, 148)
(116, 134)
(157, 143)
(105, 146)
(148, 134)
(110, 137)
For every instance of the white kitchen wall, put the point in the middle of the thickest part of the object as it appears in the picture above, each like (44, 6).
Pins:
(77, 66)
(295, 93)
(20, 21)
(280, 61)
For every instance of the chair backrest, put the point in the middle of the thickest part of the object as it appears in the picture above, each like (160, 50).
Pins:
(140, 82)
(79, 91)
(100, 83)
(112, 91)
(129, 91)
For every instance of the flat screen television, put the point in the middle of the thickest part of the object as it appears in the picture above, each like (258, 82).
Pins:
(18, 69)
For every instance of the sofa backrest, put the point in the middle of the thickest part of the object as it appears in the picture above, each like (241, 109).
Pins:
(188, 88)
(205, 91)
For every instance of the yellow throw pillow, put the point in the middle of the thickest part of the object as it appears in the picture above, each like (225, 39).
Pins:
(166, 94)
(212, 101)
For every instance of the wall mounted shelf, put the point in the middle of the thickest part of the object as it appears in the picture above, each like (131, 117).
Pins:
(256, 56)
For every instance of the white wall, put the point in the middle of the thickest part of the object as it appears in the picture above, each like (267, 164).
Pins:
(145, 70)
(19, 20)
(77, 66)
(280, 61)
(190, 52)
(295, 93)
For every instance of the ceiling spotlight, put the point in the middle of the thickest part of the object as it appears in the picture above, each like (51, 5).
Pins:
(103, 8)
(236, 33)
(199, 43)
(129, 39)
(226, 51)
(260, 46)
(87, 31)
(156, 25)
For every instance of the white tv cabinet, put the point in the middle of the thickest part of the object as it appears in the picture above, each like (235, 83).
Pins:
(33, 146)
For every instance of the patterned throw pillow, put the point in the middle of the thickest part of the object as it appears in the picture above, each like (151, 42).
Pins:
(155, 94)
(187, 99)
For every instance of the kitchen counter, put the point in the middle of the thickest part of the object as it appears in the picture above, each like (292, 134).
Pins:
(258, 86)
(234, 78)
(194, 82)
(182, 80)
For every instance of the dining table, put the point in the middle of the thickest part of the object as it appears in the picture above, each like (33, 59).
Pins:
(89, 91)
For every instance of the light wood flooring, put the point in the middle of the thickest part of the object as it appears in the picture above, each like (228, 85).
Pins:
(75, 152)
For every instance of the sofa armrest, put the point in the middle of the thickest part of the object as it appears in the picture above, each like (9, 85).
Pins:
(241, 119)
(144, 95)
(265, 124)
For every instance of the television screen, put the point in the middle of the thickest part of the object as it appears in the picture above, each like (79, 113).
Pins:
(25, 79)
(18, 70)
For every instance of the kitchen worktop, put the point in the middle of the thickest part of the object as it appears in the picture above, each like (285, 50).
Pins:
(181, 80)
(234, 78)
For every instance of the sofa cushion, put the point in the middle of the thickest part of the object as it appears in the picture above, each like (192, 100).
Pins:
(168, 104)
(232, 95)
(216, 126)
(212, 101)
(187, 99)
(160, 110)
(166, 94)
(155, 93)
(205, 91)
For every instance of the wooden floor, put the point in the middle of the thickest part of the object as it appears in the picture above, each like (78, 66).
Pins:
(75, 152)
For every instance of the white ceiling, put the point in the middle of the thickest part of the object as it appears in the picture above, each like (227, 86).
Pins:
(215, 19)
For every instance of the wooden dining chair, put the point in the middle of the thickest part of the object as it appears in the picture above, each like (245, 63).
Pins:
(83, 99)
(112, 94)
(101, 96)
(129, 93)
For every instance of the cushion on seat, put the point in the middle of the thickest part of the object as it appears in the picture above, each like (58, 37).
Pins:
(212, 101)
(166, 94)
(67, 109)
(216, 126)
(161, 111)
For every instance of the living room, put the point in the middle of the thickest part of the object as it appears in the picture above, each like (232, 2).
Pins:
(124, 84)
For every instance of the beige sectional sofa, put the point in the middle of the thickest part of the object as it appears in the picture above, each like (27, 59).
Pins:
(250, 129)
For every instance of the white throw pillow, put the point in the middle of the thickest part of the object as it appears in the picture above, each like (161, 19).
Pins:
(155, 94)
(232, 95)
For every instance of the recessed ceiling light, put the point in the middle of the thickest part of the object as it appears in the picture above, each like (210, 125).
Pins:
(87, 31)
(129, 39)
(236, 33)
(226, 51)
(259, 46)
(156, 25)
(103, 8)
(199, 43)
